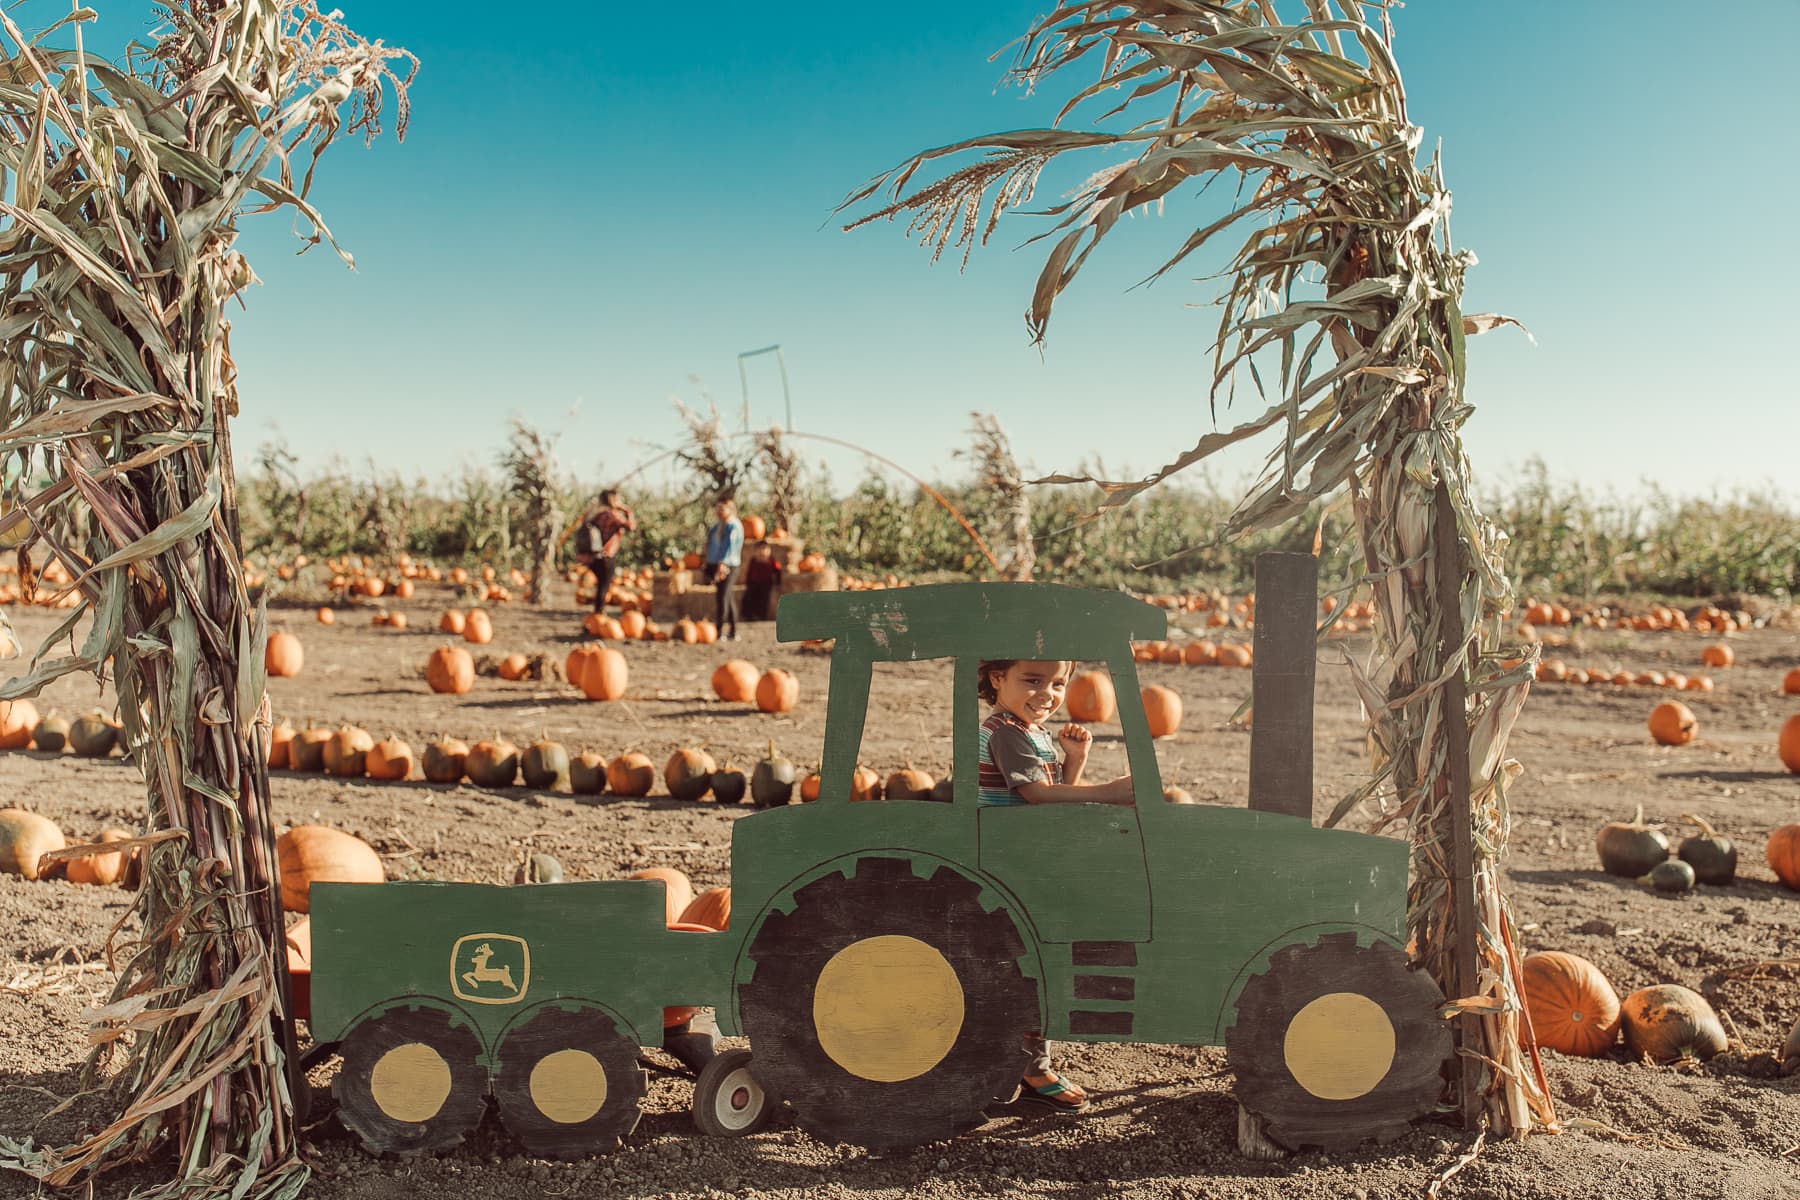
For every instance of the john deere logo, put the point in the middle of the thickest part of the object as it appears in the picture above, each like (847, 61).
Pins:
(490, 968)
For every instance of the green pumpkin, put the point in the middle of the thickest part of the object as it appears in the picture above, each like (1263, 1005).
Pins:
(1671, 875)
(51, 734)
(492, 764)
(587, 773)
(92, 736)
(689, 773)
(1710, 853)
(728, 786)
(539, 868)
(772, 782)
(943, 791)
(443, 760)
(545, 766)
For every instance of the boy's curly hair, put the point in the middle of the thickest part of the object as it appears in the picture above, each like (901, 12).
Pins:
(987, 668)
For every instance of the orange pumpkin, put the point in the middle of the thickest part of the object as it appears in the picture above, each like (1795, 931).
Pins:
(632, 623)
(735, 680)
(909, 783)
(309, 854)
(281, 742)
(18, 721)
(631, 774)
(1718, 654)
(512, 668)
(1783, 853)
(1091, 697)
(1234, 654)
(282, 656)
(777, 691)
(1669, 1023)
(865, 784)
(389, 758)
(299, 963)
(1790, 683)
(450, 670)
(452, 622)
(711, 908)
(1200, 654)
(347, 753)
(1162, 709)
(809, 787)
(326, 617)
(754, 528)
(678, 891)
(691, 561)
(686, 632)
(105, 866)
(605, 676)
(1788, 743)
(1672, 723)
(709, 633)
(26, 837)
(478, 627)
(1572, 1006)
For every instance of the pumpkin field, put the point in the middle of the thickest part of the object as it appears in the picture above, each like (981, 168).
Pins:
(408, 713)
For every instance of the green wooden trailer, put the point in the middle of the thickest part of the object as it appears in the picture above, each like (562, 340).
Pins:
(886, 958)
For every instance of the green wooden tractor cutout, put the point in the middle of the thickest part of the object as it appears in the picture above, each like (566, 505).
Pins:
(885, 958)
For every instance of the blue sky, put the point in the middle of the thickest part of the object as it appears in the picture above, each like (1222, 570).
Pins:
(595, 207)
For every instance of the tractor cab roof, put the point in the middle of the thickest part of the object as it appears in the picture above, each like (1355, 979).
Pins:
(980, 620)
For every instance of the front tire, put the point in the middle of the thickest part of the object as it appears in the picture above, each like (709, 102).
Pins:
(888, 1010)
(1336, 1042)
(728, 1100)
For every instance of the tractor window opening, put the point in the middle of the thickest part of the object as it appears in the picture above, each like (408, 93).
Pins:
(908, 743)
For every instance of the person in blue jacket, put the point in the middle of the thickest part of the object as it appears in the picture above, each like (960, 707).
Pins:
(724, 554)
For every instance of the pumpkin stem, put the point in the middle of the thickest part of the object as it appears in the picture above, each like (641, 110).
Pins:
(1638, 820)
(1705, 828)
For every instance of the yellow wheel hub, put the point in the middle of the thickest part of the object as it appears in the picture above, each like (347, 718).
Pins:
(888, 1008)
(410, 1082)
(568, 1086)
(1340, 1046)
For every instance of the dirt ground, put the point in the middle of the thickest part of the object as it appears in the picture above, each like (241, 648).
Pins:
(1163, 1122)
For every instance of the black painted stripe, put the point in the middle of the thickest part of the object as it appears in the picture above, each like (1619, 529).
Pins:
(1105, 987)
(1082, 1021)
(1105, 954)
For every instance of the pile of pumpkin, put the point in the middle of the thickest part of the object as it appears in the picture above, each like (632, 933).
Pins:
(1706, 618)
(1573, 1008)
(1555, 670)
(90, 736)
(1636, 850)
(633, 625)
(1203, 653)
(26, 837)
(49, 588)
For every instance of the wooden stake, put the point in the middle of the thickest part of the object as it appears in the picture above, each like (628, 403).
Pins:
(1462, 838)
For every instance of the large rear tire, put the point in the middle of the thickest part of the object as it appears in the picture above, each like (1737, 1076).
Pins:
(567, 1082)
(411, 1080)
(886, 1009)
(1335, 1043)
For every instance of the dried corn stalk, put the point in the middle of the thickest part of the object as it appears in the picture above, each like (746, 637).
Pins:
(1349, 277)
(116, 263)
(529, 462)
(998, 477)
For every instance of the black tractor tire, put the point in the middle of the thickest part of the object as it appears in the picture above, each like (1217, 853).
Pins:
(1257, 1046)
(882, 897)
(374, 1100)
(586, 1107)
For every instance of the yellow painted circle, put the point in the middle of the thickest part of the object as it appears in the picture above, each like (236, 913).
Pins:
(1340, 1046)
(888, 1008)
(410, 1082)
(568, 1086)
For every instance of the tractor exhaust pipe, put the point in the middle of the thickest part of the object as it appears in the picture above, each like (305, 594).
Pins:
(1281, 685)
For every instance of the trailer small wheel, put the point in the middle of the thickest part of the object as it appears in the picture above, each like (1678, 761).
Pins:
(886, 1009)
(728, 1101)
(411, 1080)
(1336, 1042)
(567, 1082)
